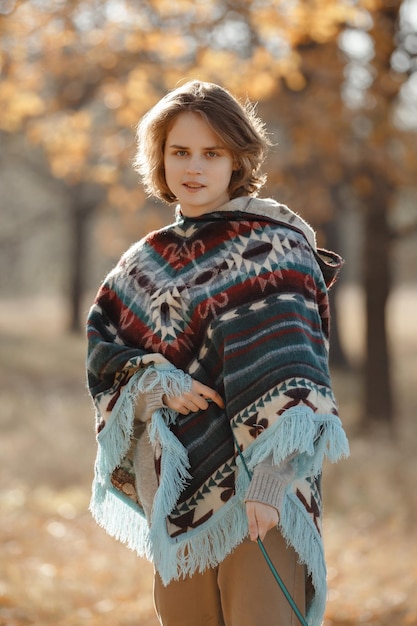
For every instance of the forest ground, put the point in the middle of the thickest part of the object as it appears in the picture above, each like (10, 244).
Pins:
(57, 567)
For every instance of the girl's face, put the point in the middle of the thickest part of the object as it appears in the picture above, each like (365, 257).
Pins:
(198, 166)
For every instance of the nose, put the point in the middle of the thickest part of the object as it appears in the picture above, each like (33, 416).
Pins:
(194, 165)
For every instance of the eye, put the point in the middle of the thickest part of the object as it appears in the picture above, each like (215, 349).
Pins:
(180, 153)
(211, 154)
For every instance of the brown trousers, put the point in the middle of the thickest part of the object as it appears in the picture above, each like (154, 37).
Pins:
(240, 591)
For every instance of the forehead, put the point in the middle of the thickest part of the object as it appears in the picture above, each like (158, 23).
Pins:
(193, 128)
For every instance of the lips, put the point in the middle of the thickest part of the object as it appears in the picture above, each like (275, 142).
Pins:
(191, 185)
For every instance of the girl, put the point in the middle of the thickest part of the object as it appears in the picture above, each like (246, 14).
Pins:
(208, 367)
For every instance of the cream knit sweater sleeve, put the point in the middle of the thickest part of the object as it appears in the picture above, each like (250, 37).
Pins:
(269, 482)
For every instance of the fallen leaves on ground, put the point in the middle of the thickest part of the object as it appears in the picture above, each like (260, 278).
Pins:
(59, 568)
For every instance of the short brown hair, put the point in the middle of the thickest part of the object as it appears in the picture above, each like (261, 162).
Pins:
(236, 124)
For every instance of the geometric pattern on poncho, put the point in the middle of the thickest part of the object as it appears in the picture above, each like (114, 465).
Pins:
(228, 287)
(221, 485)
(194, 511)
(308, 493)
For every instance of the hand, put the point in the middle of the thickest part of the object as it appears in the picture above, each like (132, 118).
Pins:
(193, 400)
(261, 518)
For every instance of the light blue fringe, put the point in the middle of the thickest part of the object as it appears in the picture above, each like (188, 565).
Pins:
(298, 429)
(111, 509)
(121, 518)
(116, 436)
(313, 436)
(298, 530)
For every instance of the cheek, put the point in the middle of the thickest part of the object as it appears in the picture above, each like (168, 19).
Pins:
(170, 169)
(228, 175)
(169, 178)
(223, 170)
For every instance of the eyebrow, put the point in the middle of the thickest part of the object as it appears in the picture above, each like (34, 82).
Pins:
(178, 147)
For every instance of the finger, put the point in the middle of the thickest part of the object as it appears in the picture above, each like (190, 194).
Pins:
(180, 407)
(252, 521)
(262, 530)
(190, 403)
(195, 401)
(261, 518)
(208, 393)
(177, 403)
(261, 526)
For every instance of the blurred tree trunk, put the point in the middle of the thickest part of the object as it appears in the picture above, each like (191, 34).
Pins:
(318, 173)
(85, 201)
(78, 262)
(378, 197)
(378, 400)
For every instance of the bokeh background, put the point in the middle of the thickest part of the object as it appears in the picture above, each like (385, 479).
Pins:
(336, 83)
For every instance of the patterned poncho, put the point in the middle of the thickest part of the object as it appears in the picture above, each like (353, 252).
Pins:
(238, 300)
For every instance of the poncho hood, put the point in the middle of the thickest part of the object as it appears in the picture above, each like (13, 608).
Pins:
(330, 262)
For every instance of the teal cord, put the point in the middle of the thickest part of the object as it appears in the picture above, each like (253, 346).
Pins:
(282, 585)
(271, 566)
